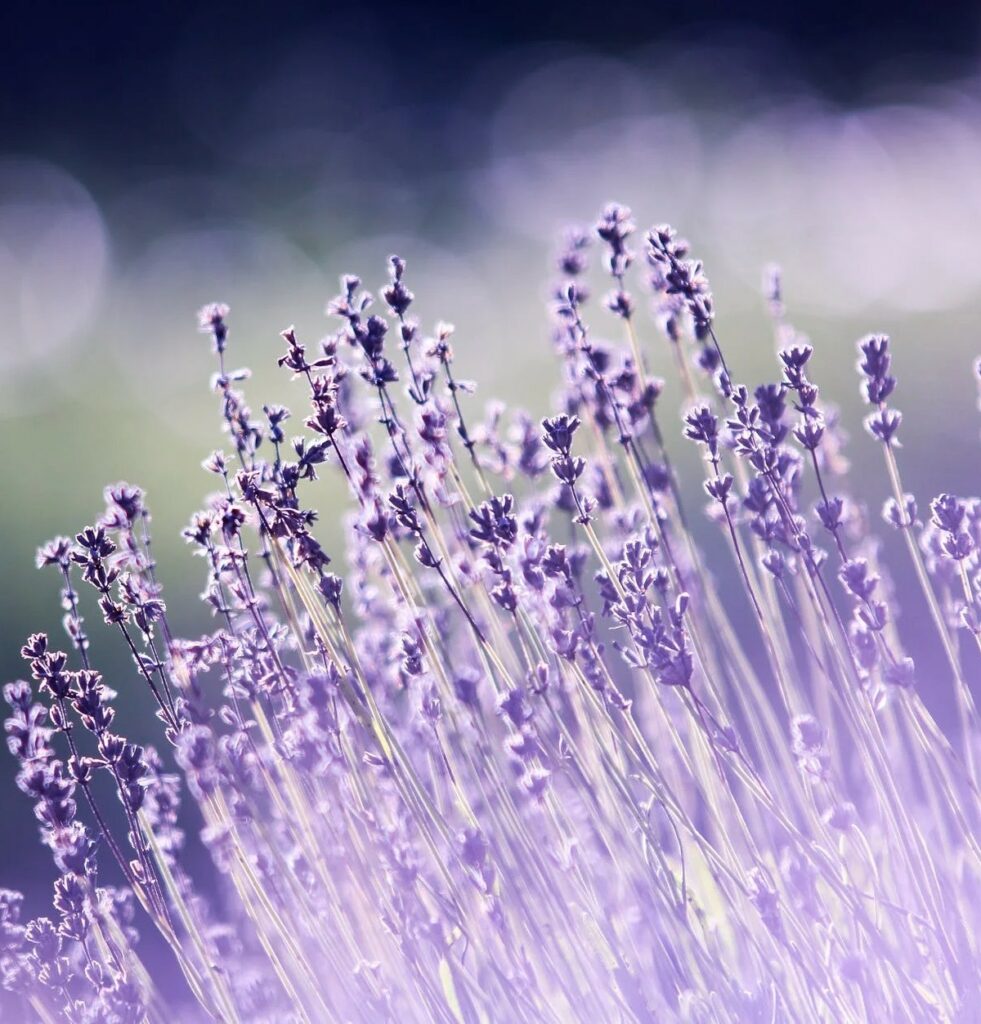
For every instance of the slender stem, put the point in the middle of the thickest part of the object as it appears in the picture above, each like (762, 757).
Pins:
(963, 699)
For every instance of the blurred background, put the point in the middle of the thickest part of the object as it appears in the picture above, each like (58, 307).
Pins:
(154, 157)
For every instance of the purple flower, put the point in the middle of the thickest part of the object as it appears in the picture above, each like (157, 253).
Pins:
(464, 739)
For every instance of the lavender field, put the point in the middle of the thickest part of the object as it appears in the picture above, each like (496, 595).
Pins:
(571, 617)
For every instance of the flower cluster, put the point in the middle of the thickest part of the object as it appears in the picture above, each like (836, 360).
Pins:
(537, 744)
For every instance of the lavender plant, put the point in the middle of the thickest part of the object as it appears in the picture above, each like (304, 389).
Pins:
(518, 754)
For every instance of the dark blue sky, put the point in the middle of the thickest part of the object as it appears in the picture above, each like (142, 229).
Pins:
(94, 83)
